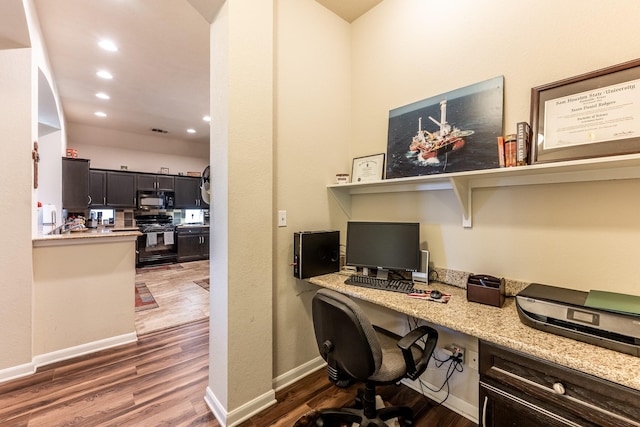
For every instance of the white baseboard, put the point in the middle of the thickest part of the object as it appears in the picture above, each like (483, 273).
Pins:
(15, 372)
(81, 350)
(298, 373)
(454, 403)
(20, 371)
(244, 412)
(249, 409)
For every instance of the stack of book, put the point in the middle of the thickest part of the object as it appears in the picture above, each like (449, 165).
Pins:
(513, 149)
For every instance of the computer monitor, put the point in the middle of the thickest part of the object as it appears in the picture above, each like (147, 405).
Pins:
(384, 246)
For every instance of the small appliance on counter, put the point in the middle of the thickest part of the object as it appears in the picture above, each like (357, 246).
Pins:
(49, 218)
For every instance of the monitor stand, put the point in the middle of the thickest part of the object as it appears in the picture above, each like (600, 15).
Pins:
(382, 274)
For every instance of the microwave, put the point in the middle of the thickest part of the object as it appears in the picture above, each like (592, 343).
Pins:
(148, 200)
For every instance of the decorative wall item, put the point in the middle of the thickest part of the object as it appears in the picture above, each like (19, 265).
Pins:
(591, 115)
(452, 132)
(368, 168)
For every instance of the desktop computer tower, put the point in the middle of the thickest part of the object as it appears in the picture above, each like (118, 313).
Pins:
(315, 253)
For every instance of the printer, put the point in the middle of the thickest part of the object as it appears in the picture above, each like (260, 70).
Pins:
(563, 312)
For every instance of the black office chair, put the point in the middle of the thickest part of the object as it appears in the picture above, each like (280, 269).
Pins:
(355, 349)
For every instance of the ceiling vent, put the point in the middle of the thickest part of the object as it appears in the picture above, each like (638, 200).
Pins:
(159, 130)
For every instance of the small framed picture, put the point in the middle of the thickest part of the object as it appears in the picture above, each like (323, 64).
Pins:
(164, 170)
(368, 168)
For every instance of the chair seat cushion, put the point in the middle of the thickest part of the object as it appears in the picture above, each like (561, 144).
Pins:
(393, 367)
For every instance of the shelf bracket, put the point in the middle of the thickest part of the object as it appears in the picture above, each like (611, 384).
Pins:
(343, 198)
(462, 191)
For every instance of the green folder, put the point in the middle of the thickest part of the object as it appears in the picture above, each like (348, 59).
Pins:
(613, 302)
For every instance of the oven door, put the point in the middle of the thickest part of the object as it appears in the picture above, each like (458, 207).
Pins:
(156, 247)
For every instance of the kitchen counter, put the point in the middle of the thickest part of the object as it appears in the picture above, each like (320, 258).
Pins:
(83, 292)
(77, 237)
(500, 326)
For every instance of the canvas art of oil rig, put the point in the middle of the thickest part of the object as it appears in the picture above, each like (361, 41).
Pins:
(430, 146)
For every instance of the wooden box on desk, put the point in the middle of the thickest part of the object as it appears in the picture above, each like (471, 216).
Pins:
(485, 289)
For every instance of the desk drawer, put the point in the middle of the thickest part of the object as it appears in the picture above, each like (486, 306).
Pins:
(559, 389)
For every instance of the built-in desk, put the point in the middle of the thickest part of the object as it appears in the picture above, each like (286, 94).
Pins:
(500, 326)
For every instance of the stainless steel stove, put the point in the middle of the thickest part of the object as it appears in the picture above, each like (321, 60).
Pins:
(157, 245)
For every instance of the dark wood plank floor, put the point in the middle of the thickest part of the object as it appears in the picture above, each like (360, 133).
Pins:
(161, 380)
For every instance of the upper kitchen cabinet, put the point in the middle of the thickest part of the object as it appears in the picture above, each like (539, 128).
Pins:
(97, 188)
(188, 193)
(121, 189)
(75, 183)
(150, 182)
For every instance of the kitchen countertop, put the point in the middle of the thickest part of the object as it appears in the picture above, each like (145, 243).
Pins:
(500, 326)
(87, 236)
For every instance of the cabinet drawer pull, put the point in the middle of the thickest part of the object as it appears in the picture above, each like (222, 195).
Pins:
(558, 388)
(484, 412)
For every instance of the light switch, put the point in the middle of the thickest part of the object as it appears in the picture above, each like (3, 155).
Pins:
(282, 218)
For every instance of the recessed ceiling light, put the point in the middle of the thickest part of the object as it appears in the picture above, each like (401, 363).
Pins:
(100, 114)
(108, 45)
(207, 118)
(104, 74)
(191, 130)
(102, 95)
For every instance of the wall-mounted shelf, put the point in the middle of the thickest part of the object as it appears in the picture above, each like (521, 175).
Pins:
(463, 183)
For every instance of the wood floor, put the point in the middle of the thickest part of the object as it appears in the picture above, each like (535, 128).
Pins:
(161, 379)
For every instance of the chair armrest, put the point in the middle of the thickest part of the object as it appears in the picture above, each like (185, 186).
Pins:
(415, 370)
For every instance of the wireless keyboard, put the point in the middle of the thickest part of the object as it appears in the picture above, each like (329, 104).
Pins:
(382, 284)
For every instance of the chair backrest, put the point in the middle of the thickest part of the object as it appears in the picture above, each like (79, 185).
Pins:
(346, 339)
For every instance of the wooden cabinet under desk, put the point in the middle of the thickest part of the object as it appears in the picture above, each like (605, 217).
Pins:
(520, 390)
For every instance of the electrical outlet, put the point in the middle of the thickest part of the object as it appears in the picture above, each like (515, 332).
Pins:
(472, 360)
(456, 351)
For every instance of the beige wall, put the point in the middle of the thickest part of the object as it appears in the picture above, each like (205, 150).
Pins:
(110, 149)
(82, 293)
(16, 191)
(313, 100)
(573, 235)
(241, 265)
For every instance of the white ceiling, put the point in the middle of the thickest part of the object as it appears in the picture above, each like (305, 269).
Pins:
(161, 71)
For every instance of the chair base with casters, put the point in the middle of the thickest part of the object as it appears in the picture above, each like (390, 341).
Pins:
(354, 349)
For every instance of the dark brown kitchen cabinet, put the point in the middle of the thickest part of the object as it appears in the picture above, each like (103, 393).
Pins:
(193, 243)
(521, 390)
(188, 194)
(151, 182)
(121, 189)
(97, 188)
(75, 183)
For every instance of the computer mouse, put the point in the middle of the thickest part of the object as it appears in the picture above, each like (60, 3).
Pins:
(435, 294)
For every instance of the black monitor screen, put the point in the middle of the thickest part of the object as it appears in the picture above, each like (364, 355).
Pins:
(384, 245)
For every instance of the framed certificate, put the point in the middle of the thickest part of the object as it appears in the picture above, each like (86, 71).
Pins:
(592, 115)
(368, 168)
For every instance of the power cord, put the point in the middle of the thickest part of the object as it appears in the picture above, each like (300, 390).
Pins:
(455, 365)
